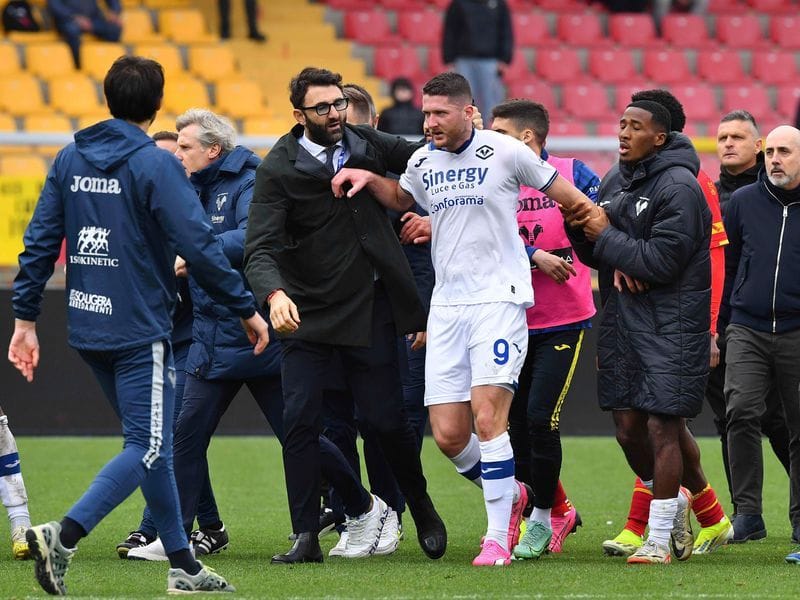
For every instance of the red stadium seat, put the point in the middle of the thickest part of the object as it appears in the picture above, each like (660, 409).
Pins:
(612, 66)
(564, 127)
(518, 69)
(397, 61)
(698, 99)
(610, 128)
(685, 31)
(535, 90)
(403, 4)
(586, 100)
(773, 6)
(753, 98)
(350, 4)
(531, 29)
(581, 29)
(623, 93)
(435, 61)
(420, 26)
(774, 67)
(723, 66)
(560, 5)
(633, 30)
(666, 66)
(783, 31)
(724, 6)
(559, 65)
(788, 99)
(368, 27)
(740, 31)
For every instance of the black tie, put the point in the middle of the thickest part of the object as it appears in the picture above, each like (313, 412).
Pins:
(329, 159)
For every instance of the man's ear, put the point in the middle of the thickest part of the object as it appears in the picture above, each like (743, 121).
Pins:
(299, 116)
(661, 139)
(214, 151)
(469, 111)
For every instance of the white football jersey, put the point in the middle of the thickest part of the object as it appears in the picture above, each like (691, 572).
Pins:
(471, 195)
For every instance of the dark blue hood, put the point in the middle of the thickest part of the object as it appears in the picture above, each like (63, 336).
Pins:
(108, 144)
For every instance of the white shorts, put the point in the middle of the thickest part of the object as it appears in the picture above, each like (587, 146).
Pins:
(473, 344)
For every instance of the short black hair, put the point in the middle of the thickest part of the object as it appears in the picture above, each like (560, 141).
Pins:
(740, 115)
(658, 111)
(666, 99)
(165, 135)
(361, 102)
(308, 77)
(134, 87)
(450, 84)
(524, 114)
(401, 82)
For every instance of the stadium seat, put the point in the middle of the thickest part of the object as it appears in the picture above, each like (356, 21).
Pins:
(721, 66)
(519, 68)
(368, 27)
(612, 66)
(724, 6)
(420, 26)
(581, 29)
(97, 57)
(535, 90)
(559, 6)
(740, 31)
(566, 127)
(434, 60)
(531, 30)
(398, 5)
(168, 55)
(47, 123)
(774, 67)
(138, 28)
(239, 98)
(699, 100)
(608, 128)
(634, 30)
(22, 95)
(788, 98)
(559, 65)
(9, 59)
(159, 4)
(185, 26)
(164, 122)
(623, 93)
(666, 66)
(22, 164)
(7, 123)
(773, 6)
(32, 37)
(75, 95)
(266, 125)
(753, 98)
(347, 5)
(397, 61)
(685, 31)
(783, 31)
(48, 59)
(182, 93)
(212, 62)
(89, 120)
(586, 101)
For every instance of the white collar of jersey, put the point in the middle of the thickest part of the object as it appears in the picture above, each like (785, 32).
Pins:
(458, 150)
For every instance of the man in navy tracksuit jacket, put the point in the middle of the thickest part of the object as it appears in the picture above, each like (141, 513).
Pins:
(125, 209)
(762, 293)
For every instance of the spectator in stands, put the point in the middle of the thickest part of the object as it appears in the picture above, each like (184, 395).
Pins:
(402, 117)
(741, 159)
(73, 18)
(251, 10)
(478, 40)
(761, 288)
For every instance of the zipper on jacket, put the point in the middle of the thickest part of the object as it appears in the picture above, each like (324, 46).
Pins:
(778, 258)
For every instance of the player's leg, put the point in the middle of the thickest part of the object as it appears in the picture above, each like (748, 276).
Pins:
(12, 490)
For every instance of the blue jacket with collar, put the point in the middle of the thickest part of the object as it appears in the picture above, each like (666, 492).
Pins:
(125, 208)
(762, 261)
(220, 349)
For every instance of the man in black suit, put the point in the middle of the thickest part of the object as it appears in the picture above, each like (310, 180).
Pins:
(335, 278)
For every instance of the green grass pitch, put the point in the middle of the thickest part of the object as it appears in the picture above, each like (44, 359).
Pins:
(248, 482)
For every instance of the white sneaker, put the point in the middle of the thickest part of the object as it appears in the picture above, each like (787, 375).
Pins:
(52, 558)
(207, 580)
(681, 538)
(364, 532)
(390, 535)
(338, 549)
(152, 551)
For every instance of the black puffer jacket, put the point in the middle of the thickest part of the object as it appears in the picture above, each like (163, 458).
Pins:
(729, 183)
(653, 347)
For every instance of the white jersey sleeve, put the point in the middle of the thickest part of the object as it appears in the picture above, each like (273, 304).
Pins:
(411, 183)
(531, 170)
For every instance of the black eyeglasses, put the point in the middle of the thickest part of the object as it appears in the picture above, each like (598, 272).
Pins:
(324, 108)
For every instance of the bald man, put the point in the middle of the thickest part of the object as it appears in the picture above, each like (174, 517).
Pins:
(762, 288)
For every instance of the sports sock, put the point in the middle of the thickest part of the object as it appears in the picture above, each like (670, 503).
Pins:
(468, 461)
(640, 506)
(707, 508)
(19, 516)
(497, 473)
(12, 486)
(542, 515)
(561, 504)
(71, 533)
(183, 559)
(218, 526)
(662, 515)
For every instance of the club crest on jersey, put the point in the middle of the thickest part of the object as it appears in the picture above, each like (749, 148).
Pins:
(484, 152)
(221, 200)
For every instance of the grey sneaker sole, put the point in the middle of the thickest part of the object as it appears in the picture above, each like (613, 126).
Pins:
(43, 570)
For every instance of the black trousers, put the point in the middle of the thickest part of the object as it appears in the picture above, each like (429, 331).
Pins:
(373, 378)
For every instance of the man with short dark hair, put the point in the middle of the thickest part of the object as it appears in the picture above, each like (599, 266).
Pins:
(125, 209)
(653, 342)
(336, 281)
(403, 117)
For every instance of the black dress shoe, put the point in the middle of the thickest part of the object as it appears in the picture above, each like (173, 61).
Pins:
(431, 532)
(257, 36)
(748, 527)
(305, 550)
